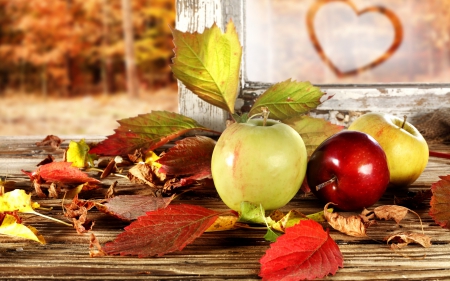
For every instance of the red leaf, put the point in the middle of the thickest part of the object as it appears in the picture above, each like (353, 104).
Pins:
(189, 156)
(61, 172)
(162, 231)
(305, 251)
(130, 207)
(146, 131)
(440, 202)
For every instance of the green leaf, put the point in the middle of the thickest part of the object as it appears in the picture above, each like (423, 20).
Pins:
(208, 64)
(251, 213)
(240, 118)
(272, 235)
(313, 130)
(148, 131)
(288, 99)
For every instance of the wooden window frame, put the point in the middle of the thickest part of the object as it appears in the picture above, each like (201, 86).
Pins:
(349, 100)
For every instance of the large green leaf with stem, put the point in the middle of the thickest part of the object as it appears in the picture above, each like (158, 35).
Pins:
(208, 64)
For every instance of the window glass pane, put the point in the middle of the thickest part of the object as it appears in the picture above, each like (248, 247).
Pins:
(343, 41)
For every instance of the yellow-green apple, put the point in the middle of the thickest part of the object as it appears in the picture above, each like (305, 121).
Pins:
(262, 163)
(405, 148)
(349, 169)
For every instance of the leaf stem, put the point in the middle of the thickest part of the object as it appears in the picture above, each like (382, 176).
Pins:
(53, 219)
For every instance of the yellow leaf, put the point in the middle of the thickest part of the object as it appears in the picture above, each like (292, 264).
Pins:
(17, 200)
(223, 222)
(78, 154)
(10, 227)
(151, 158)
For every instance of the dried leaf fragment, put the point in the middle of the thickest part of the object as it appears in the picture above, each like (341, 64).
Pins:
(95, 249)
(77, 210)
(403, 239)
(353, 225)
(391, 212)
(50, 140)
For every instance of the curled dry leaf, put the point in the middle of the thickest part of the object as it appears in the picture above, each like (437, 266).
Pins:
(95, 249)
(77, 210)
(402, 239)
(48, 159)
(50, 140)
(391, 212)
(143, 173)
(353, 225)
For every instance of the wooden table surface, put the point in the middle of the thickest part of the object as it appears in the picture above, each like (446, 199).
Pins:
(217, 255)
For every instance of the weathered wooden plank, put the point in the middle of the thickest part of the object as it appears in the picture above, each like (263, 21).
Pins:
(220, 255)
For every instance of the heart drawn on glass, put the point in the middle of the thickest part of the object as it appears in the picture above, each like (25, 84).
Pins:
(391, 16)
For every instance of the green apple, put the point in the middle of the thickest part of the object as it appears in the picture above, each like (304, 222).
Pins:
(263, 163)
(406, 149)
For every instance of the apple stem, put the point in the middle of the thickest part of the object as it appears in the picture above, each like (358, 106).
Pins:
(404, 120)
(264, 114)
(439, 154)
(322, 185)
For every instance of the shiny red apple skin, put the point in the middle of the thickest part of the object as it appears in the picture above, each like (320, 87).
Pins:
(360, 166)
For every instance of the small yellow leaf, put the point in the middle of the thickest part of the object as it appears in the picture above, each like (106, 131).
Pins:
(10, 227)
(151, 158)
(223, 222)
(78, 154)
(17, 200)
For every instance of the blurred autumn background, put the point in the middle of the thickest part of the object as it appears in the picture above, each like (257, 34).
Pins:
(72, 67)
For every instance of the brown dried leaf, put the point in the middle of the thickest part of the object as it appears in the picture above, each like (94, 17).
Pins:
(402, 239)
(54, 190)
(143, 173)
(111, 190)
(95, 249)
(110, 168)
(391, 212)
(77, 210)
(51, 140)
(353, 225)
(137, 156)
(48, 159)
(414, 200)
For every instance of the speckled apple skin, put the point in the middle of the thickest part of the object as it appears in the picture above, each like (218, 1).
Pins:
(406, 149)
(360, 166)
(259, 164)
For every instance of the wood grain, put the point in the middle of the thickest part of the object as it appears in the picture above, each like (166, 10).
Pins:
(217, 255)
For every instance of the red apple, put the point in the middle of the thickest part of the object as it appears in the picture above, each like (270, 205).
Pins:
(349, 169)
